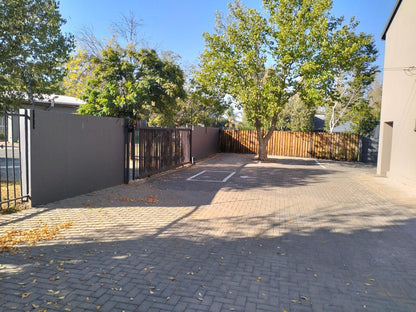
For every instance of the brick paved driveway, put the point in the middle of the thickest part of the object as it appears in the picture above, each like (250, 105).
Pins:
(228, 234)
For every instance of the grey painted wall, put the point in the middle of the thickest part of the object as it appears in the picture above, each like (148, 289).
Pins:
(205, 142)
(73, 155)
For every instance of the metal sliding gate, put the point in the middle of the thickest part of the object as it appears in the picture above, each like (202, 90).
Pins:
(14, 159)
(153, 150)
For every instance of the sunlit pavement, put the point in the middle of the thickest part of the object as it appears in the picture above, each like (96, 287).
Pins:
(228, 234)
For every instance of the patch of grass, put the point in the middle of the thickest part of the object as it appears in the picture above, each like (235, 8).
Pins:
(12, 191)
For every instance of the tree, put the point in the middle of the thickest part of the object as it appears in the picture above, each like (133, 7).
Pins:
(33, 50)
(374, 97)
(297, 48)
(365, 114)
(198, 109)
(80, 68)
(363, 118)
(296, 116)
(135, 84)
(348, 92)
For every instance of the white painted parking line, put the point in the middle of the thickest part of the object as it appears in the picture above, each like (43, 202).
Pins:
(194, 176)
(320, 164)
(210, 176)
(229, 176)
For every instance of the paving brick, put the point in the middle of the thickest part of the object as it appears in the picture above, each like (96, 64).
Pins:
(280, 235)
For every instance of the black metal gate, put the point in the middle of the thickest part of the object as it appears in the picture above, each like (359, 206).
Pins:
(14, 159)
(154, 150)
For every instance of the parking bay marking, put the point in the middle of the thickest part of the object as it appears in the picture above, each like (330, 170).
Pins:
(231, 173)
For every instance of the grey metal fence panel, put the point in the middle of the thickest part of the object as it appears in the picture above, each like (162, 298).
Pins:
(73, 155)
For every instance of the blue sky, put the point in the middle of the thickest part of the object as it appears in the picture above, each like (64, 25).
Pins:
(177, 25)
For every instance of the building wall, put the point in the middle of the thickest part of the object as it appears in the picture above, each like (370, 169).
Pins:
(205, 142)
(72, 155)
(397, 150)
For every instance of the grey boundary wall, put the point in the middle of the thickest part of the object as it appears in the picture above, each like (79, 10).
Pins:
(72, 155)
(205, 142)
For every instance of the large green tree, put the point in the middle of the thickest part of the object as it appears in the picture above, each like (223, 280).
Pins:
(295, 48)
(135, 84)
(33, 49)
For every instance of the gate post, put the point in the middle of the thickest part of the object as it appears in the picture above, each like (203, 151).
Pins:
(126, 150)
(26, 118)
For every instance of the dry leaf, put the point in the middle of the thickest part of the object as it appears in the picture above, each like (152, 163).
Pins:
(125, 199)
(24, 295)
(30, 237)
(149, 199)
(35, 306)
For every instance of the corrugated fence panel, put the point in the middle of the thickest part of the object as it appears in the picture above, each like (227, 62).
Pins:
(337, 146)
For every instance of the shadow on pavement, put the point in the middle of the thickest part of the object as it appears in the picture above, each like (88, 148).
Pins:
(316, 271)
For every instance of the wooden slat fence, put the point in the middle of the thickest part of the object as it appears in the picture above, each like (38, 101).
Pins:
(336, 146)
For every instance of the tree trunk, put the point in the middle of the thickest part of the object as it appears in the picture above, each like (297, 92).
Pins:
(264, 139)
(263, 142)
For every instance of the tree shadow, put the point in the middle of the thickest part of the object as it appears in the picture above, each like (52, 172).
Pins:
(287, 266)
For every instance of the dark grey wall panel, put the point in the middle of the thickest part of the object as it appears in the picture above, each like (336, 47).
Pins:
(73, 155)
(205, 141)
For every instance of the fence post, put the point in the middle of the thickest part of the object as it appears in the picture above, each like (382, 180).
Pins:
(25, 117)
(191, 159)
(360, 149)
(126, 151)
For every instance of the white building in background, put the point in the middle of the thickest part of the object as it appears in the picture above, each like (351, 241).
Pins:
(56, 103)
(397, 147)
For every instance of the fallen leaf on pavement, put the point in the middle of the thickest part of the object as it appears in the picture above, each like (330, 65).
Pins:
(125, 199)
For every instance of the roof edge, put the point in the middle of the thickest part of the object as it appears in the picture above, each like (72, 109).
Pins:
(393, 14)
